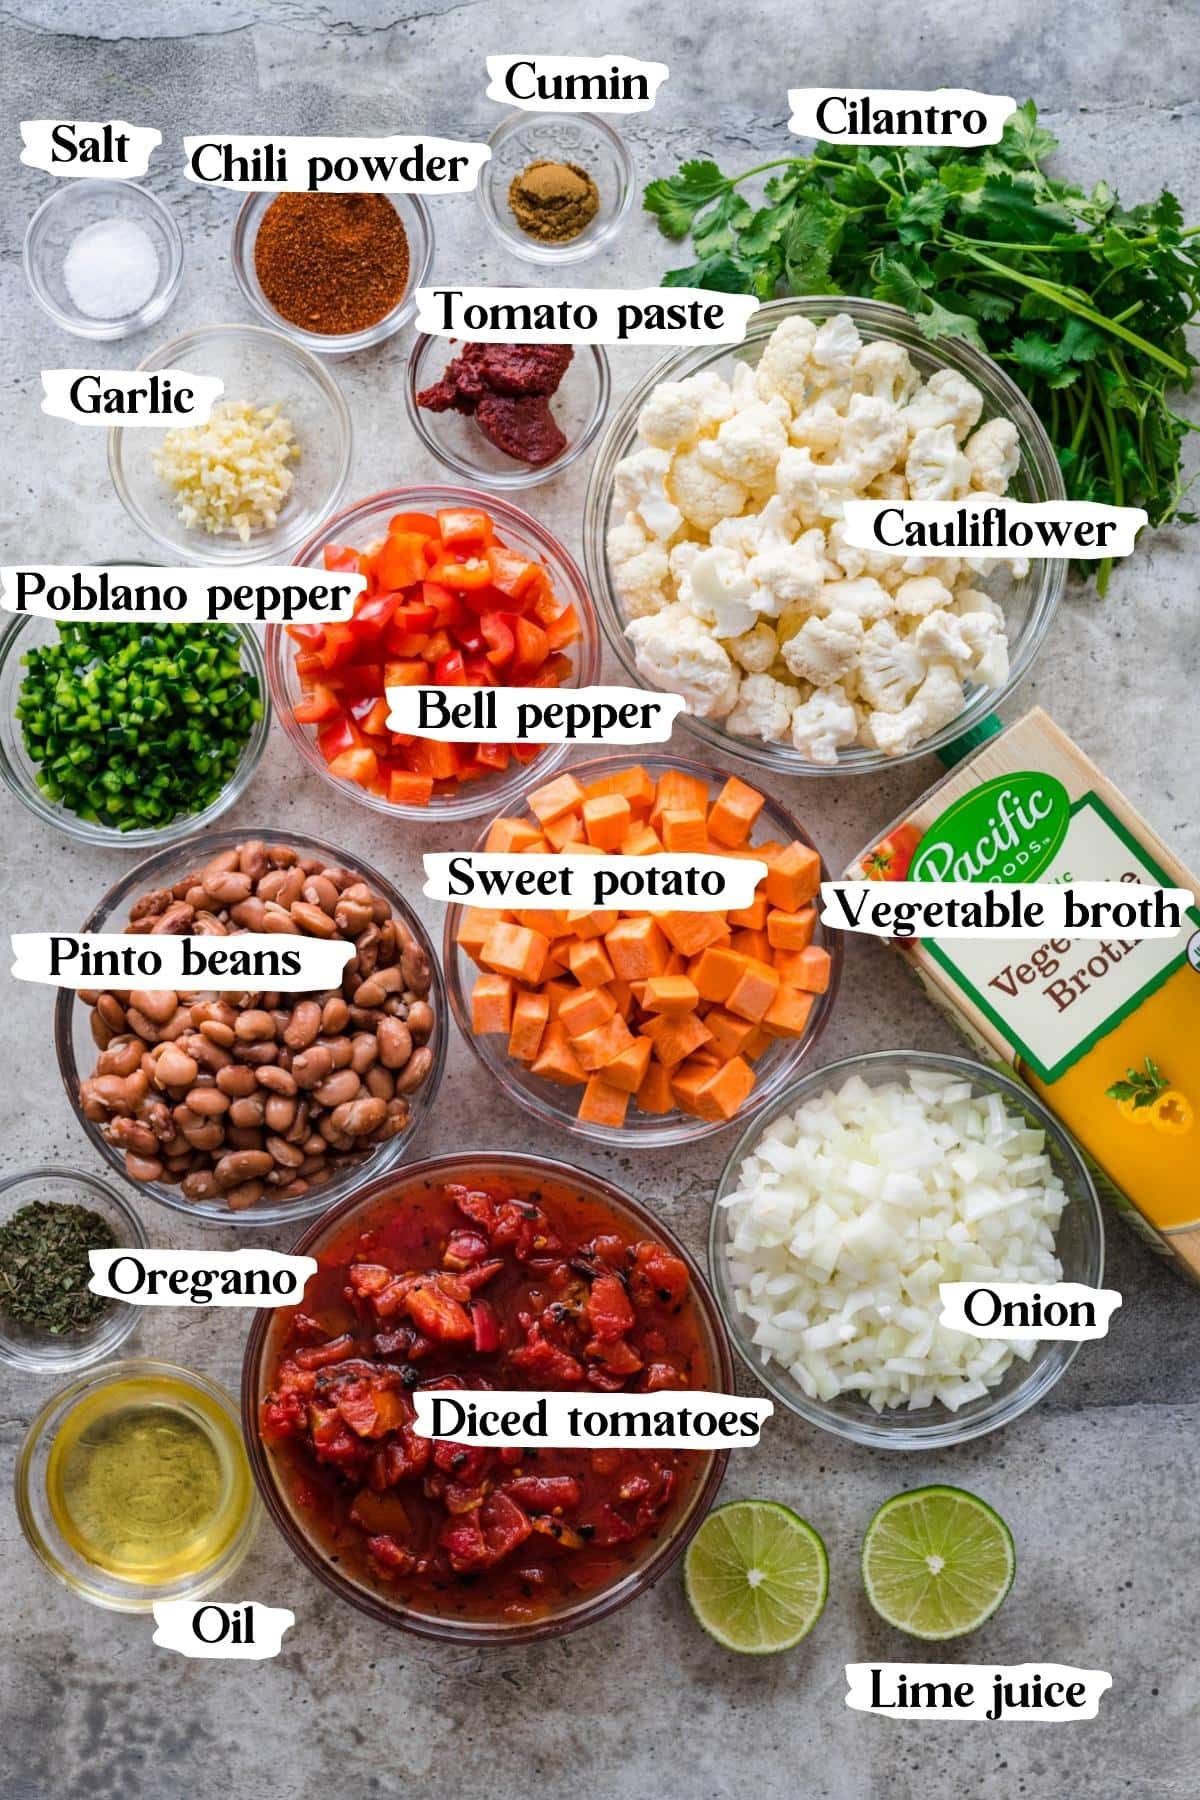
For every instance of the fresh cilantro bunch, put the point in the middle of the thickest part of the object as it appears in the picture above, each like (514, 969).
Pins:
(1084, 301)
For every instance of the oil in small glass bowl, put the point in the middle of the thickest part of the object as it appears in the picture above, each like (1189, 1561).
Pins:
(133, 1486)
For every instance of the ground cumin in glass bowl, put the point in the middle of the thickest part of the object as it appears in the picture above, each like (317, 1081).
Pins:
(580, 138)
(418, 228)
(309, 1502)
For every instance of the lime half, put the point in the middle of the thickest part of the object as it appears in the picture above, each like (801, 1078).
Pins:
(756, 1576)
(937, 1562)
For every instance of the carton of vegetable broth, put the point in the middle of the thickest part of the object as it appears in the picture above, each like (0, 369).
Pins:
(1105, 1031)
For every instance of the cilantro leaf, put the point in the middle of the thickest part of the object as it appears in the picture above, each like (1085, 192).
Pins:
(939, 322)
(675, 199)
(1024, 140)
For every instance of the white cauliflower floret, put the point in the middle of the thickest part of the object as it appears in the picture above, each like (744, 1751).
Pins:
(678, 412)
(798, 483)
(834, 349)
(748, 446)
(975, 642)
(818, 427)
(885, 371)
(639, 569)
(823, 723)
(676, 651)
(719, 590)
(921, 594)
(994, 453)
(763, 710)
(787, 576)
(938, 700)
(873, 438)
(947, 398)
(989, 641)
(969, 600)
(825, 650)
(863, 596)
(783, 366)
(944, 568)
(936, 468)
(639, 487)
(890, 485)
(940, 637)
(680, 558)
(889, 668)
(755, 649)
(702, 495)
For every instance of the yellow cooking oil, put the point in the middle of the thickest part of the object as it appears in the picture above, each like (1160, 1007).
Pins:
(147, 1480)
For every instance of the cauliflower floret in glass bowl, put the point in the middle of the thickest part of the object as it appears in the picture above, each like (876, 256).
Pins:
(716, 551)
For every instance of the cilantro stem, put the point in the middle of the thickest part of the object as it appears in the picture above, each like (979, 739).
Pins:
(1059, 297)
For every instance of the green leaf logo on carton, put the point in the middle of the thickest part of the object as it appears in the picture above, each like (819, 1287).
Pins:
(1008, 829)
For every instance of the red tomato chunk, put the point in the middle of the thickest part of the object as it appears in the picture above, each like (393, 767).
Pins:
(446, 603)
(475, 1286)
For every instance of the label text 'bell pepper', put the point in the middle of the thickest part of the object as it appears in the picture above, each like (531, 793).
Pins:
(523, 715)
(498, 878)
(686, 1421)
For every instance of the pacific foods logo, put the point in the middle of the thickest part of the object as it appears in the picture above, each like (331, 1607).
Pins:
(1008, 829)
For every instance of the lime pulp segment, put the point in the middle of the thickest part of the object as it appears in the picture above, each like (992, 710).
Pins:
(937, 1562)
(756, 1576)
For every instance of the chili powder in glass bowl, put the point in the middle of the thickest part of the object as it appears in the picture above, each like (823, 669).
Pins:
(481, 1271)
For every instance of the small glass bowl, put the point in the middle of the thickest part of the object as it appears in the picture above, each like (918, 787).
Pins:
(418, 228)
(580, 138)
(366, 522)
(578, 405)
(38, 1352)
(19, 773)
(548, 1100)
(76, 1051)
(1079, 1247)
(523, 1174)
(72, 207)
(1029, 602)
(264, 368)
(212, 1409)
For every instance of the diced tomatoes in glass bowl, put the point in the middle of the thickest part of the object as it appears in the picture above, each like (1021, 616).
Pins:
(481, 1271)
(463, 591)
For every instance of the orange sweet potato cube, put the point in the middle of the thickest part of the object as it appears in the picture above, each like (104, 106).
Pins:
(589, 963)
(556, 991)
(725, 1091)
(654, 1095)
(684, 831)
(603, 1044)
(592, 924)
(517, 951)
(511, 835)
(675, 1039)
(733, 813)
(566, 829)
(729, 1034)
(791, 930)
(639, 840)
(787, 1015)
(603, 1104)
(606, 820)
(691, 932)
(672, 994)
(793, 877)
(624, 997)
(689, 1079)
(752, 943)
(628, 1070)
(491, 1005)
(556, 1061)
(637, 948)
(471, 935)
(752, 917)
(635, 784)
(530, 1015)
(562, 795)
(585, 1009)
(716, 973)
(550, 921)
(753, 991)
(810, 970)
(677, 791)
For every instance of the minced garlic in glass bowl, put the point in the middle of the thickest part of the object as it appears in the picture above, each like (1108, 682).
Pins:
(232, 474)
(715, 534)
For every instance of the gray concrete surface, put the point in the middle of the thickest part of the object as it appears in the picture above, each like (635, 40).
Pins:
(1099, 1484)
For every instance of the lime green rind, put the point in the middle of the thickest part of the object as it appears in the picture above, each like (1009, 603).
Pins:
(769, 1537)
(971, 1538)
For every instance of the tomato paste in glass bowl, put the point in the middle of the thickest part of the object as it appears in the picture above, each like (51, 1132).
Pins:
(478, 1272)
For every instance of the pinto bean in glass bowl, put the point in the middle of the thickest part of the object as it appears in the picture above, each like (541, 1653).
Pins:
(242, 1107)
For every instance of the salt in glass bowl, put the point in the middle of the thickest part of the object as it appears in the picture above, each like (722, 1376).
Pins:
(70, 209)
